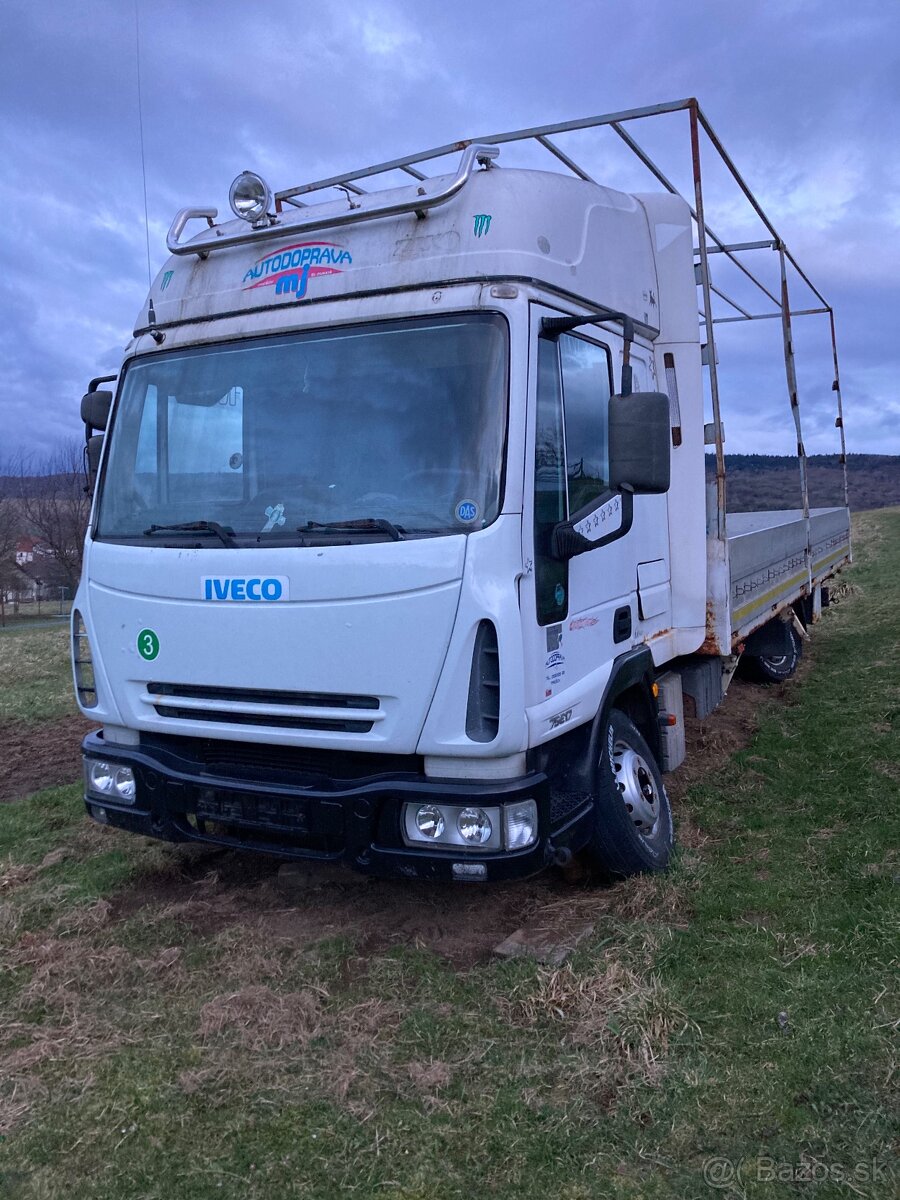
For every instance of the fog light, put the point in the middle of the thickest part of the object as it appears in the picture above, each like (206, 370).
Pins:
(521, 824)
(430, 821)
(123, 782)
(250, 198)
(474, 826)
(100, 776)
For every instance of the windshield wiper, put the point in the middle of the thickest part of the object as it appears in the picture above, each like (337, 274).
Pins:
(363, 525)
(226, 536)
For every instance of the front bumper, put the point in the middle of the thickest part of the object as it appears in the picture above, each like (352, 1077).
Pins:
(300, 815)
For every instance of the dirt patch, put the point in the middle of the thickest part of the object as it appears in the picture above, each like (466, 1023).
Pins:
(38, 756)
(212, 890)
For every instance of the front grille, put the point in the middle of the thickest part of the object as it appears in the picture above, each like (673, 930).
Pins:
(264, 707)
(564, 805)
(251, 760)
(263, 696)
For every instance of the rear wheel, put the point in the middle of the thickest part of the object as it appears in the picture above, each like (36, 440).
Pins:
(780, 660)
(632, 818)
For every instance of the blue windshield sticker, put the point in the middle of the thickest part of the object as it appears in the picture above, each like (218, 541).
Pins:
(467, 510)
(275, 513)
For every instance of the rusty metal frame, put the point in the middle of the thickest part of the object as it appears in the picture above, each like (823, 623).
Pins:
(709, 243)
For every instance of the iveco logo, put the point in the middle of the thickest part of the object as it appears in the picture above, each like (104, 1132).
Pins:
(224, 587)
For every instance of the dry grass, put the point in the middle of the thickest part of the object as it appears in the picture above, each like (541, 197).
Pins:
(261, 1019)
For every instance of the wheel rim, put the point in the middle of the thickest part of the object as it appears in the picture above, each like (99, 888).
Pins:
(637, 787)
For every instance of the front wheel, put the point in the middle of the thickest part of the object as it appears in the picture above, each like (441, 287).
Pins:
(632, 818)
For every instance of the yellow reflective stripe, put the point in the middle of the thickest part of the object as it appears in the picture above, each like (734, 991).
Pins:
(779, 590)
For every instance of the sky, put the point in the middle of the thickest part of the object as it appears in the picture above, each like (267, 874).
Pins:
(805, 95)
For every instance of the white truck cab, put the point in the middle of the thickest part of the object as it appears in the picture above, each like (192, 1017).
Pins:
(401, 524)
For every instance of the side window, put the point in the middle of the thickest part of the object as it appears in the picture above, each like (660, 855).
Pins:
(551, 577)
(586, 392)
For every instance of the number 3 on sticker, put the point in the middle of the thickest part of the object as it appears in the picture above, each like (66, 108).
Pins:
(148, 644)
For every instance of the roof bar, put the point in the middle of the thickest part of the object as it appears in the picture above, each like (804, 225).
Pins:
(564, 158)
(496, 139)
(728, 300)
(795, 312)
(720, 249)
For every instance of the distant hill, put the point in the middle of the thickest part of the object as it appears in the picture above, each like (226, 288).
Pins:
(766, 481)
(754, 481)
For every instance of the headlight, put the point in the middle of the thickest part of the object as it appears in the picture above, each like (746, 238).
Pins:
(468, 827)
(474, 826)
(250, 198)
(103, 778)
(83, 663)
(430, 821)
(123, 783)
(99, 776)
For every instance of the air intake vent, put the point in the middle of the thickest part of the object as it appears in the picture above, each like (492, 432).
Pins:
(483, 715)
(330, 712)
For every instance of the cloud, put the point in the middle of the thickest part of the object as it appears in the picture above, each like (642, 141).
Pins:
(806, 98)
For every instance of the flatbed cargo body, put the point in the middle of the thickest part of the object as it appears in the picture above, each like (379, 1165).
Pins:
(767, 560)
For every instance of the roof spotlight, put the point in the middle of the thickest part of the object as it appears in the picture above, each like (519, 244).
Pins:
(250, 198)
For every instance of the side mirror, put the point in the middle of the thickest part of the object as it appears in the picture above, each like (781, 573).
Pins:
(640, 443)
(95, 409)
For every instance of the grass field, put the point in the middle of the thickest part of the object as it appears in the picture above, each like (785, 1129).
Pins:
(36, 673)
(175, 1028)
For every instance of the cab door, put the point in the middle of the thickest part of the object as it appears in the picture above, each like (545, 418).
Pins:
(580, 613)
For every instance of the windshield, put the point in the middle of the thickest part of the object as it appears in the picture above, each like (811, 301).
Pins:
(380, 431)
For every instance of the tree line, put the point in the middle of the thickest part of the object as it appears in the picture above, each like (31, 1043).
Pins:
(43, 496)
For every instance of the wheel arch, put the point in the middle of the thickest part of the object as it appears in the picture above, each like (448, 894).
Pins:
(630, 688)
(570, 760)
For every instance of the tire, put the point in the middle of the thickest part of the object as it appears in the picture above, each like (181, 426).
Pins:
(632, 817)
(775, 668)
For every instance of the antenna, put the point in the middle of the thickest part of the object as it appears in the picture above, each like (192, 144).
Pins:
(137, 50)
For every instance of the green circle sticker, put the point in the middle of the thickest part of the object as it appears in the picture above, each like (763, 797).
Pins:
(147, 644)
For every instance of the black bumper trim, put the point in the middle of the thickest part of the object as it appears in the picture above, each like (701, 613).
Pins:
(356, 822)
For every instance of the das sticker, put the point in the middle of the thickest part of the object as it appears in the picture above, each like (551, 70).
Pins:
(467, 510)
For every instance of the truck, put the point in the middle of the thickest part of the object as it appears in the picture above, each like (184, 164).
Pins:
(402, 552)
